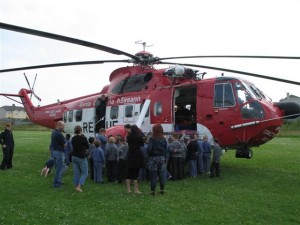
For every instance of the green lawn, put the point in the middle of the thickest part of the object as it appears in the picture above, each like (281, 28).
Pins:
(263, 190)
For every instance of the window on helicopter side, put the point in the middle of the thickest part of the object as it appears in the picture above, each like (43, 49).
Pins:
(129, 111)
(137, 82)
(78, 115)
(114, 111)
(70, 116)
(65, 117)
(224, 96)
(157, 108)
(132, 83)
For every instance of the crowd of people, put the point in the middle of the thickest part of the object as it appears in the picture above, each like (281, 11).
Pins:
(132, 159)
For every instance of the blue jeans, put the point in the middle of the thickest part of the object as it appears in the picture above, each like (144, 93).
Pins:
(206, 162)
(80, 167)
(193, 168)
(59, 158)
(200, 163)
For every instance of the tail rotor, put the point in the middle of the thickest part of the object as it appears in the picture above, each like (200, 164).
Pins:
(32, 88)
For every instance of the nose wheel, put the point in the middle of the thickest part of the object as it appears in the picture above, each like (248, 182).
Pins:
(244, 153)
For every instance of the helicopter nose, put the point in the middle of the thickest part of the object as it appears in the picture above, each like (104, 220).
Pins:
(291, 110)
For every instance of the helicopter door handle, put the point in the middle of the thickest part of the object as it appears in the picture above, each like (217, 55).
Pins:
(208, 116)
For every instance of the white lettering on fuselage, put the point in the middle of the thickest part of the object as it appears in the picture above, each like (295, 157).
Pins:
(85, 104)
(124, 100)
(269, 133)
(52, 113)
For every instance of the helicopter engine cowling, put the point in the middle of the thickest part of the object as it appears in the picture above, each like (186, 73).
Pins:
(291, 110)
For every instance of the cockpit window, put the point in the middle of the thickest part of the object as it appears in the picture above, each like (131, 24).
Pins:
(132, 83)
(252, 110)
(224, 96)
(241, 93)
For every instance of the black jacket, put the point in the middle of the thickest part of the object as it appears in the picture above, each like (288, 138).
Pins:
(7, 138)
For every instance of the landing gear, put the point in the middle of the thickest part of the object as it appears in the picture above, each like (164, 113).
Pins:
(244, 153)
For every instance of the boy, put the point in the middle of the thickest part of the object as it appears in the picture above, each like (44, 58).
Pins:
(99, 162)
(215, 164)
(48, 166)
(90, 156)
(68, 150)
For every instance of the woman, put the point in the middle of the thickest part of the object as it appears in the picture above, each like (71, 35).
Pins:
(79, 158)
(157, 150)
(135, 158)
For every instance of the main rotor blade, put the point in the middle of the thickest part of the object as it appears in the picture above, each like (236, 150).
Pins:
(235, 71)
(232, 56)
(65, 39)
(62, 64)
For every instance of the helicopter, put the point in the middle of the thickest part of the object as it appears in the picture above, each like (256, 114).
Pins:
(231, 109)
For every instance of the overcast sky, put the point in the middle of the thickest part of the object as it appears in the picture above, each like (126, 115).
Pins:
(174, 28)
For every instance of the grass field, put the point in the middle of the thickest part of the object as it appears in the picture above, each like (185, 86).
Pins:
(263, 190)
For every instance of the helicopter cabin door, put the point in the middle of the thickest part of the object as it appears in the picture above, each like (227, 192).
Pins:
(185, 108)
(100, 111)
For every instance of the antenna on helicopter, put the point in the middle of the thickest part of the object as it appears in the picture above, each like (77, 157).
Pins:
(144, 44)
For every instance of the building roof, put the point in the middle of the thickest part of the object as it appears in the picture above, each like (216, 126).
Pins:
(10, 108)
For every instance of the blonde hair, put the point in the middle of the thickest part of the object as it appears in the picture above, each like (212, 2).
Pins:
(111, 140)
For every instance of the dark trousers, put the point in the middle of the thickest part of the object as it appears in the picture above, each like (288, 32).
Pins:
(111, 170)
(8, 153)
(215, 169)
(91, 165)
(153, 179)
(177, 164)
(121, 170)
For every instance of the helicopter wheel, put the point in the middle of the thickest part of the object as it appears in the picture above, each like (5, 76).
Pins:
(244, 153)
(249, 153)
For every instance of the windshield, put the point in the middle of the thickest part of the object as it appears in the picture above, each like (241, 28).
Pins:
(242, 93)
(255, 92)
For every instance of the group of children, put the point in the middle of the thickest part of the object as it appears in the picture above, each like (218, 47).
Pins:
(109, 155)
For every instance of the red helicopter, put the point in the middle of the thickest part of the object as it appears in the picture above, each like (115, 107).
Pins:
(231, 109)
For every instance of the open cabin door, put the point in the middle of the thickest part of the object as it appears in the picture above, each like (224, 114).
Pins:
(100, 111)
(185, 108)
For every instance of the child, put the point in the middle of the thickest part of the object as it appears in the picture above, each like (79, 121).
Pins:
(122, 151)
(48, 165)
(98, 161)
(215, 164)
(68, 150)
(90, 156)
(142, 172)
(112, 157)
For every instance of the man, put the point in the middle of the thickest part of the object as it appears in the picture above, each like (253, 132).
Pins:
(8, 144)
(100, 112)
(58, 144)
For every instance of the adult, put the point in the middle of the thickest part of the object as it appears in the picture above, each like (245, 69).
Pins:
(193, 148)
(100, 112)
(79, 158)
(58, 142)
(157, 150)
(8, 144)
(135, 158)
